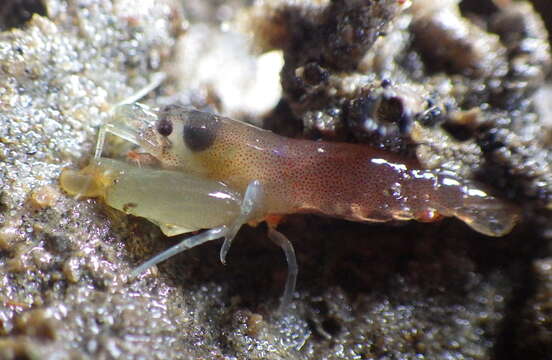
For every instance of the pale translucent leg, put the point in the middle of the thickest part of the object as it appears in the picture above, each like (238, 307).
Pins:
(251, 202)
(185, 244)
(121, 128)
(282, 241)
(118, 129)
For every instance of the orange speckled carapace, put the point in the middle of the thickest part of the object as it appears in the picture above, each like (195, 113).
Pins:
(256, 175)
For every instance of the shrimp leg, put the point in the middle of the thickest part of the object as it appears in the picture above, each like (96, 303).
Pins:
(282, 241)
(251, 198)
(124, 122)
(185, 244)
(251, 203)
(125, 110)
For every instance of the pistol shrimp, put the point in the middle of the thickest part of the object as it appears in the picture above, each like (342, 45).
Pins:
(277, 176)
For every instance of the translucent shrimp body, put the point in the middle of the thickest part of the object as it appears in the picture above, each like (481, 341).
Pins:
(349, 181)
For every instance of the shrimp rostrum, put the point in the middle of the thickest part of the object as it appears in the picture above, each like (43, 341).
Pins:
(260, 176)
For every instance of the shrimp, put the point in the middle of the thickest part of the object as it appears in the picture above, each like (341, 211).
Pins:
(349, 181)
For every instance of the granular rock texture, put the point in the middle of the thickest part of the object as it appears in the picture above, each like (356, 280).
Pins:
(459, 86)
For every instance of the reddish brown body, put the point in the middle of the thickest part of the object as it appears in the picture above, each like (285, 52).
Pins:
(350, 181)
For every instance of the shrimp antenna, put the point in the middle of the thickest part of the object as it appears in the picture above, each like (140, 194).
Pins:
(156, 80)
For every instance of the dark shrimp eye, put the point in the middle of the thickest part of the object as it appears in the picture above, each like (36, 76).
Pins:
(164, 126)
(200, 130)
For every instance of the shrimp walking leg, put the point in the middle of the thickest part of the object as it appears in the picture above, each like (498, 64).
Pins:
(282, 241)
(185, 244)
(122, 110)
(251, 203)
(124, 122)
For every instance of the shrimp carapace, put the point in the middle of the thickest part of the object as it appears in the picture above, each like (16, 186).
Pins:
(351, 181)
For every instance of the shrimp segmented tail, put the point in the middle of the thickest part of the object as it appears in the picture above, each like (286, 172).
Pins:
(475, 206)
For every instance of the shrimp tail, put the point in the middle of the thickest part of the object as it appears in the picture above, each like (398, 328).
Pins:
(488, 215)
(475, 205)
